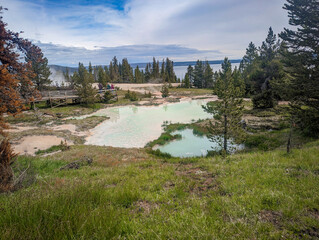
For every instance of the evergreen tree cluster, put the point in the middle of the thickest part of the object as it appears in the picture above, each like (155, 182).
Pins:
(262, 68)
(301, 61)
(199, 76)
(83, 80)
(288, 69)
(122, 72)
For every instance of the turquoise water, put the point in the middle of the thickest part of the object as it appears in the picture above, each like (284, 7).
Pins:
(135, 126)
(191, 145)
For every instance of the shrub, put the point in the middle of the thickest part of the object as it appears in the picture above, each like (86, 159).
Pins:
(262, 142)
(7, 157)
(158, 153)
(107, 96)
(164, 91)
(148, 95)
(131, 95)
(308, 121)
(264, 100)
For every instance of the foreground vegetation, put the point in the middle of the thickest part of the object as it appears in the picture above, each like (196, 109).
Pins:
(130, 194)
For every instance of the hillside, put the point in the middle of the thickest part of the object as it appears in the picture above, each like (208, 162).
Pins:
(129, 194)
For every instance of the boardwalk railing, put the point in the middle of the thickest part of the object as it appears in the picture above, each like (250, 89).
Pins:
(64, 97)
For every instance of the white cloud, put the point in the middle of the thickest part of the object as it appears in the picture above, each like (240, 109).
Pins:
(227, 25)
(71, 56)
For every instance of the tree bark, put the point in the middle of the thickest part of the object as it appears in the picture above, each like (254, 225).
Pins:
(225, 133)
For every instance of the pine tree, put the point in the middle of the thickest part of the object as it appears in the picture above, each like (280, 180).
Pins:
(90, 68)
(127, 74)
(198, 74)
(114, 74)
(169, 71)
(164, 91)
(247, 67)
(101, 76)
(68, 78)
(39, 65)
(147, 74)
(301, 59)
(138, 75)
(154, 73)
(142, 77)
(83, 83)
(238, 80)
(157, 69)
(111, 71)
(268, 70)
(16, 87)
(163, 70)
(228, 110)
(186, 82)
(208, 76)
(107, 74)
(190, 73)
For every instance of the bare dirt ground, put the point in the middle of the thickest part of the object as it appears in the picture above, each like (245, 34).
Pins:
(17, 128)
(69, 127)
(154, 88)
(30, 144)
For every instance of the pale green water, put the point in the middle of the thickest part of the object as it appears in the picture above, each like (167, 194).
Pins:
(132, 126)
(191, 145)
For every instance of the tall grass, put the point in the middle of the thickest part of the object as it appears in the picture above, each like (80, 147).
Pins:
(264, 195)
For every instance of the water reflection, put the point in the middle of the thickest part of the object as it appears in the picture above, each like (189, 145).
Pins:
(192, 145)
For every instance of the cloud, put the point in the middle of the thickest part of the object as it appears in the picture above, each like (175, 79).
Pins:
(71, 56)
(227, 25)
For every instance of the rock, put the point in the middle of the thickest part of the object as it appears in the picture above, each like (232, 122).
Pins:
(85, 161)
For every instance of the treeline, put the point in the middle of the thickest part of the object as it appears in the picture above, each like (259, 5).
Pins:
(261, 73)
(279, 69)
(202, 76)
(122, 72)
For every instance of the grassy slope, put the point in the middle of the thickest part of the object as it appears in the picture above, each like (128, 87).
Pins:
(129, 194)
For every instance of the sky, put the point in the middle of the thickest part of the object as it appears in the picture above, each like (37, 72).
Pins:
(72, 31)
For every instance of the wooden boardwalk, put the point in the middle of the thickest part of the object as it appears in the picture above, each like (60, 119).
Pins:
(65, 97)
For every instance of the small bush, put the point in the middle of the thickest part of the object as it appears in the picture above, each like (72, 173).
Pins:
(147, 95)
(264, 100)
(308, 121)
(164, 138)
(164, 91)
(63, 146)
(158, 153)
(107, 97)
(262, 142)
(131, 95)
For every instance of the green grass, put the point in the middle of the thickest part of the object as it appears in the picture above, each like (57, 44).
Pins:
(127, 194)
(54, 148)
(164, 138)
(270, 140)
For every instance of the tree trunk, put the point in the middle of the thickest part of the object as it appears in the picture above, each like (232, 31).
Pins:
(225, 133)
